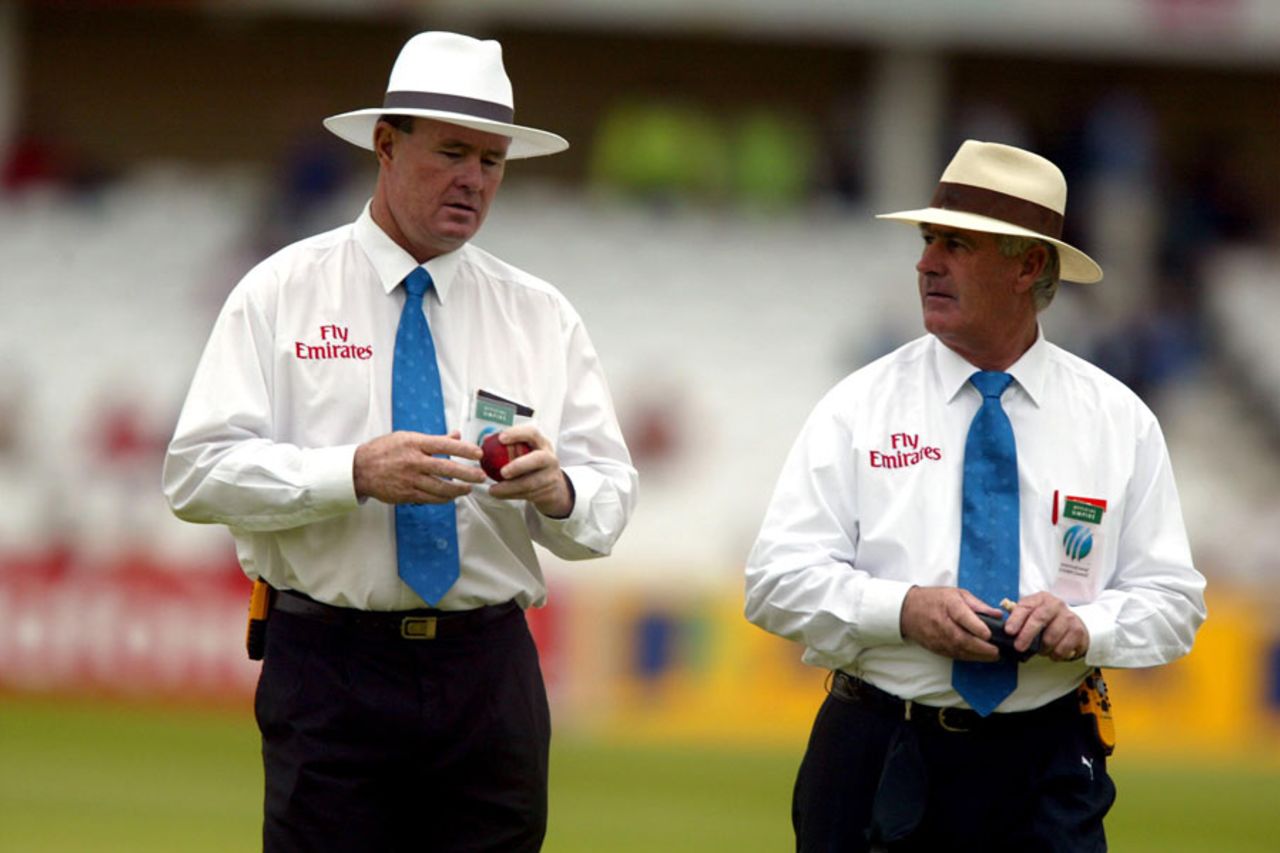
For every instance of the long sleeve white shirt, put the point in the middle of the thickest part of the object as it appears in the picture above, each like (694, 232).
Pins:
(297, 374)
(868, 505)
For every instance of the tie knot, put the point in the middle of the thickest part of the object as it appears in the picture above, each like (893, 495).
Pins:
(990, 382)
(417, 282)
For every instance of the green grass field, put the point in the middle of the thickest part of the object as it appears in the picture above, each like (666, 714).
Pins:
(78, 776)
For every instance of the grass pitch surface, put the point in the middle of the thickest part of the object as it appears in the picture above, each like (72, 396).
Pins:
(78, 776)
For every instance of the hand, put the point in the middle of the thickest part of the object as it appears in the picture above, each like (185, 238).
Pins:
(403, 468)
(536, 476)
(1063, 635)
(943, 620)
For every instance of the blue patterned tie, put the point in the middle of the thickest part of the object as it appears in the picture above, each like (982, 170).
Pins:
(989, 536)
(426, 534)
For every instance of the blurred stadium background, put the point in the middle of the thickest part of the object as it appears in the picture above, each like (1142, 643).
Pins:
(727, 157)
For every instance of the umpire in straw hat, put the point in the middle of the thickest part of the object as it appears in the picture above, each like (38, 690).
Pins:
(963, 534)
(334, 424)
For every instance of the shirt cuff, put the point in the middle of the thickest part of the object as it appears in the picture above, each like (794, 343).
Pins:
(880, 622)
(331, 472)
(1101, 626)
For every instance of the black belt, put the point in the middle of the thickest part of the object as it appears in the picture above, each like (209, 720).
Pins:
(850, 689)
(422, 624)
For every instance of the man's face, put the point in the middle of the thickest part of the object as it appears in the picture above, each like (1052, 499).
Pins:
(973, 298)
(436, 183)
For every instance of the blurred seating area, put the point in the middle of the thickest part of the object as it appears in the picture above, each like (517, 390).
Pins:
(720, 329)
(713, 223)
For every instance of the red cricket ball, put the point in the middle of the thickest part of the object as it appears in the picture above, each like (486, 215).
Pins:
(497, 455)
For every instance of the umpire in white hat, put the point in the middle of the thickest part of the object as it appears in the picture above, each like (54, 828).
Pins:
(334, 424)
(964, 533)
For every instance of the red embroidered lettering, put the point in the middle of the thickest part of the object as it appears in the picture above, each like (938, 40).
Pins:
(333, 345)
(904, 451)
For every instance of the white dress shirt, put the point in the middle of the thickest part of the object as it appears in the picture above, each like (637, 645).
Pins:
(868, 505)
(297, 374)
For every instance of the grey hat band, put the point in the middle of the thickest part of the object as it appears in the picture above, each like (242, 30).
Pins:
(450, 104)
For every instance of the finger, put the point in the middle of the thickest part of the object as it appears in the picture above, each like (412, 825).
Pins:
(969, 622)
(1066, 651)
(539, 462)
(1057, 632)
(442, 445)
(977, 650)
(1038, 616)
(978, 604)
(422, 471)
(447, 469)
(528, 433)
(436, 492)
(1071, 645)
(528, 487)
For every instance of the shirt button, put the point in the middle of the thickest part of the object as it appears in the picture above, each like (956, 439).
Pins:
(442, 545)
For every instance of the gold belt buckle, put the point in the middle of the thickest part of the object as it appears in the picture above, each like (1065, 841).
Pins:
(944, 725)
(418, 627)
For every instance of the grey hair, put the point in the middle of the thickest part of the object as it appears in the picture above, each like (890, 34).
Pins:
(1046, 286)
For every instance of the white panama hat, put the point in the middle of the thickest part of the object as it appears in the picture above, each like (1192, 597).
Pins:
(1000, 189)
(451, 78)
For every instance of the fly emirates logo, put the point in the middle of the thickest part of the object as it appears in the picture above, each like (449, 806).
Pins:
(334, 343)
(905, 450)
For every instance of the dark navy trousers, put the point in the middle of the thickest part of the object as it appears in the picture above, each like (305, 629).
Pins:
(371, 742)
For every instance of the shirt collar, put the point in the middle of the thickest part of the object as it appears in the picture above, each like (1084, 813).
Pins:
(1028, 371)
(391, 263)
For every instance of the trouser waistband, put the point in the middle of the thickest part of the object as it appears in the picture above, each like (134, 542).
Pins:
(850, 689)
(420, 624)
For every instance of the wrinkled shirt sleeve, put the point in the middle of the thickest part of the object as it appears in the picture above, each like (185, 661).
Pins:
(593, 455)
(802, 579)
(222, 467)
(1149, 613)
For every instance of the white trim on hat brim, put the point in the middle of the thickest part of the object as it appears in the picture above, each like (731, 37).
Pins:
(1075, 265)
(357, 128)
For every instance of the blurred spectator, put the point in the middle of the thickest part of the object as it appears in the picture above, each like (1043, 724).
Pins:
(313, 170)
(34, 160)
(660, 150)
(774, 161)
(1120, 197)
(654, 421)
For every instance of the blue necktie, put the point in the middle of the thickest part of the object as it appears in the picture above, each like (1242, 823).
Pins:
(989, 535)
(426, 534)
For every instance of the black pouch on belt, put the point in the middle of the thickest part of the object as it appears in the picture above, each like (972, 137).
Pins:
(903, 790)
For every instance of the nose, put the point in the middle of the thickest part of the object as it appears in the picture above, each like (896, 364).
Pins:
(930, 259)
(470, 173)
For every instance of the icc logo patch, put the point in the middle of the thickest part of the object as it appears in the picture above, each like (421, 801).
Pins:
(1077, 542)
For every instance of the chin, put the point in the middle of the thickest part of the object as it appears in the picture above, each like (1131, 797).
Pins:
(933, 324)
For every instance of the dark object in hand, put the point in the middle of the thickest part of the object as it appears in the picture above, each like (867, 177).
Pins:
(1004, 642)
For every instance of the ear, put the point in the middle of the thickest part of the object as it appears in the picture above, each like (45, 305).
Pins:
(384, 141)
(1031, 265)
